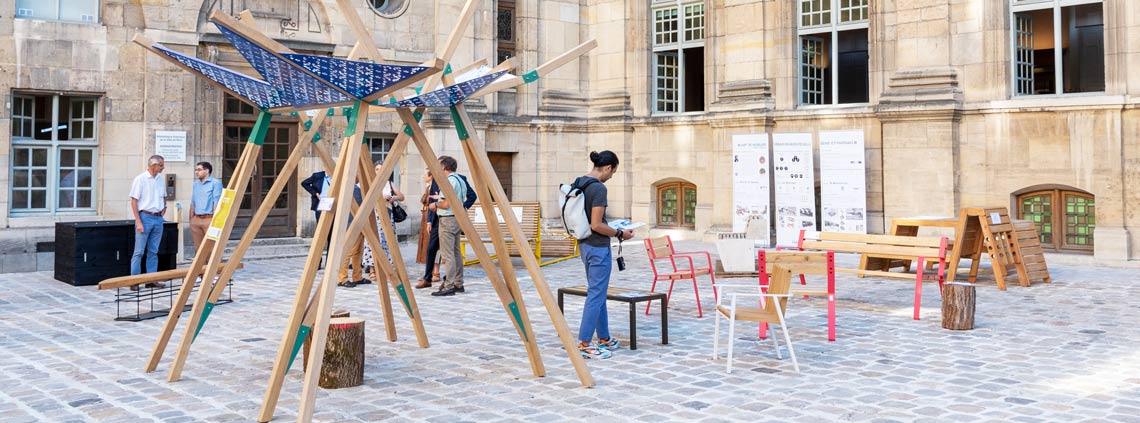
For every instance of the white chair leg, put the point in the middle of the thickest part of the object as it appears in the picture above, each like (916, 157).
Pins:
(788, 339)
(716, 337)
(731, 338)
(776, 342)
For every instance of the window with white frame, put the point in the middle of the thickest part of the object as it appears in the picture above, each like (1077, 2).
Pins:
(82, 11)
(54, 149)
(1058, 46)
(678, 56)
(833, 51)
(378, 147)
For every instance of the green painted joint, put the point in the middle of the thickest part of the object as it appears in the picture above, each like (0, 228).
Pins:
(308, 124)
(447, 70)
(257, 136)
(392, 100)
(317, 137)
(293, 114)
(518, 319)
(460, 129)
(419, 89)
(302, 334)
(331, 112)
(352, 113)
(202, 321)
(404, 297)
(530, 76)
(375, 102)
(418, 115)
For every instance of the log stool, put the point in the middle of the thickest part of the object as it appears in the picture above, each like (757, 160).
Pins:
(958, 299)
(343, 364)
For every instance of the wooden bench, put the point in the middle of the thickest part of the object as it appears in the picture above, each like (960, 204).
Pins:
(889, 247)
(529, 216)
(631, 297)
(153, 295)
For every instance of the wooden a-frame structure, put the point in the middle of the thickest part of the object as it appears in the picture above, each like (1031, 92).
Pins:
(313, 311)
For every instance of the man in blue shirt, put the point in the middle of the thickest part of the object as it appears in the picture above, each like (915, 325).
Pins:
(207, 193)
(449, 231)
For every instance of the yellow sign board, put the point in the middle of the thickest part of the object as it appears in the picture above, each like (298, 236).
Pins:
(220, 214)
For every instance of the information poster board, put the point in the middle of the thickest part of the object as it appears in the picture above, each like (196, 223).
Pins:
(750, 187)
(843, 181)
(794, 173)
(171, 145)
(225, 206)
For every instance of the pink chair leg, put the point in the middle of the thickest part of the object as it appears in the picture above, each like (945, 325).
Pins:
(649, 303)
(803, 281)
(918, 288)
(831, 317)
(698, 295)
(670, 294)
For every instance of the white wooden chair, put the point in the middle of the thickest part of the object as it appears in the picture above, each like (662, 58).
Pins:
(741, 307)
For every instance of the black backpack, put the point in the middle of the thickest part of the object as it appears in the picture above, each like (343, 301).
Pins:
(471, 197)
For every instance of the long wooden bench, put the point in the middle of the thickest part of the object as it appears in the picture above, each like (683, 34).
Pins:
(889, 247)
(529, 215)
(135, 280)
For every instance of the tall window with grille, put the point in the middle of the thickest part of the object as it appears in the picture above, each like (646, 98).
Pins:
(378, 147)
(1065, 219)
(505, 31)
(834, 58)
(678, 56)
(1057, 46)
(54, 151)
(677, 205)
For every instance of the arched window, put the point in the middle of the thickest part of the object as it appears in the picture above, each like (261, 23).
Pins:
(1065, 219)
(677, 205)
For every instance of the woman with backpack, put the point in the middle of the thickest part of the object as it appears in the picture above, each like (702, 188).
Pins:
(597, 258)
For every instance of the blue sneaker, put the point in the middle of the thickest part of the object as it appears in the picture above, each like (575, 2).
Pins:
(609, 344)
(592, 351)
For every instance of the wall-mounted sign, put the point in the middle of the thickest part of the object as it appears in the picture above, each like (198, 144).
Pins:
(171, 145)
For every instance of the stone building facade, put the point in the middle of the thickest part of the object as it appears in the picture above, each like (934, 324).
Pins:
(1028, 104)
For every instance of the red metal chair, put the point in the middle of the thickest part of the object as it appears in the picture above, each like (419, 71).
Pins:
(681, 266)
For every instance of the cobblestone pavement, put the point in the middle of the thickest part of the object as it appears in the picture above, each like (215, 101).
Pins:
(1067, 351)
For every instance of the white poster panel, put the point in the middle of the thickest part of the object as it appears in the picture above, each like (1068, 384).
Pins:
(171, 145)
(794, 172)
(750, 186)
(843, 181)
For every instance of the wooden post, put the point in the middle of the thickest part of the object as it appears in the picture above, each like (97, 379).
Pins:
(343, 365)
(958, 305)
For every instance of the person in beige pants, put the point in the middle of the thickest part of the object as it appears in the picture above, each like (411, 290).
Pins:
(207, 193)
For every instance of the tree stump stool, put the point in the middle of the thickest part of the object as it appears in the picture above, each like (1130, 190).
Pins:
(958, 299)
(309, 340)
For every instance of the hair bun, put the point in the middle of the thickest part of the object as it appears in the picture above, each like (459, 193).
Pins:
(594, 156)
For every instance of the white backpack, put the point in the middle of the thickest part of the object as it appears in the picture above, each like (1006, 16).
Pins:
(573, 204)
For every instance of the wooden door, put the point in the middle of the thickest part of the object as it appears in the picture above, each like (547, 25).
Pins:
(501, 162)
(281, 221)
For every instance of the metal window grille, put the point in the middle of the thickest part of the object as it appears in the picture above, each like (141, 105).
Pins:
(815, 12)
(695, 22)
(852, 11)
(812, 57)
(1023, 53)
(668, 82)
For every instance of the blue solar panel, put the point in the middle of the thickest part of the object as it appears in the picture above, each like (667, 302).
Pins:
(360, 79)
(450, 95)
(256, 91)
(298, 88)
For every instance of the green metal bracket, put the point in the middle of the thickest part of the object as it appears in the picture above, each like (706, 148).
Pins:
(293, 114)
(331, 112)
(418, 89)
(353, 113)
(460, 129)
(308, 124)
(447, 70)
(202, 321)
(518, 319)
(418, 115)
(317, 137)
(404, 297)
(302, 334)
(530, 76)
(260, 128)
(392, 100)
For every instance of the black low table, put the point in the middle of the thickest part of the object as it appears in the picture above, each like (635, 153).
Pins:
(632, 297)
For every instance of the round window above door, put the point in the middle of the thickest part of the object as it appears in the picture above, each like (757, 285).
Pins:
(389, 8)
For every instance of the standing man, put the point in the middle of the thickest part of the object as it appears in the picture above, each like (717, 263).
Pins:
(449, 229)
(314, 185)
(207, 193)
(148, 204)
